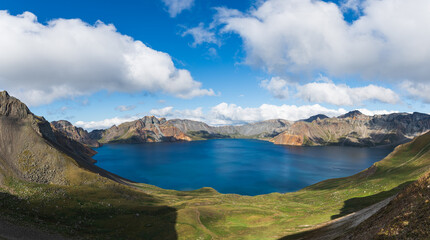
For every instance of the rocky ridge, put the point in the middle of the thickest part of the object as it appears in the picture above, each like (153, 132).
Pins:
(146, 129)
(356, 129)
(75, 133)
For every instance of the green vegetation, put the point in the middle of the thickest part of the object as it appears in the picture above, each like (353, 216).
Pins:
(107, 210)
(205, 135)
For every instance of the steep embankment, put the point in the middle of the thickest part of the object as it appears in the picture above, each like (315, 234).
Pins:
(407, 216)
(356, 129)
(30, 150)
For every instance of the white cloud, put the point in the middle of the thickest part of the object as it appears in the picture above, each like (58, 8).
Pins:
(232, 114)
(353, 5)
(68, 57)
(417, 90)
(123, 108)
(389, 41)
(377, 112)
(325, 91)
(277, 86)
(169, 112)
(201, 35)
(175, 7)
(106, 123)
(162, 112)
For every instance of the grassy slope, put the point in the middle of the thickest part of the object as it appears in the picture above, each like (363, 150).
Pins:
(108, 210)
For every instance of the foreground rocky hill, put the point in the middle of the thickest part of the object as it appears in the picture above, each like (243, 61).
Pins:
(31, 150)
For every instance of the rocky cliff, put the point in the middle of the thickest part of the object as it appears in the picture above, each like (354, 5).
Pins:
(76, 133)
(356, 129)
(31, 150)
(261, 129)
(147, 129)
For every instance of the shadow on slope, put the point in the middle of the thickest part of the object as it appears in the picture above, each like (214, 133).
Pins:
(361, 207)
(102, 212)
(356, 204)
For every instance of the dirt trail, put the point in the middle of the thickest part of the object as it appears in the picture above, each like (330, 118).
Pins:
(335, 228)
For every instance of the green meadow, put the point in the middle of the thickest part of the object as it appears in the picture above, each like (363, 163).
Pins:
(99, 208)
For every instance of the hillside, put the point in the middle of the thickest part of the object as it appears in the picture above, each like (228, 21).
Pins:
(407, 216)
(48, 180)
(31, 150)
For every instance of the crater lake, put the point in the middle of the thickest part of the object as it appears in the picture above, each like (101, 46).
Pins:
(241, 166)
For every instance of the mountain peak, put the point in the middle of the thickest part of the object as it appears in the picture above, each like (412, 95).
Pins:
(4, 94)
(352, 114)
(315, 117)
(10, 106)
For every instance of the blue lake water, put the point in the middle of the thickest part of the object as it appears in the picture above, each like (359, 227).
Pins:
(241, 166)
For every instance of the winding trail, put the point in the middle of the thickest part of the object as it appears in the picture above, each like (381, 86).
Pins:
(337, 227)
(213, 235)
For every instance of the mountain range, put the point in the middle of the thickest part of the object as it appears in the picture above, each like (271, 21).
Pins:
(350, 129)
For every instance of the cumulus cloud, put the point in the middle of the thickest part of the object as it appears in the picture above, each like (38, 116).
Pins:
(175, 7)
(225, 113)
(325, 91)
(67, 57)
(123, 108)
(277, 86)
(353, 5)
(106, 123)
(388, 41)
(417, 90)
(170, 112)
(201, 35)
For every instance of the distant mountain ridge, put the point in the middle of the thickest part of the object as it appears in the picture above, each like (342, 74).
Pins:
(356, 129)
(351, 129)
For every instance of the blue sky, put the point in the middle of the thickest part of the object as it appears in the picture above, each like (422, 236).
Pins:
(233, 61)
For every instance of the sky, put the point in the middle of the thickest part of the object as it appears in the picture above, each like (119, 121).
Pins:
(99, 63)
